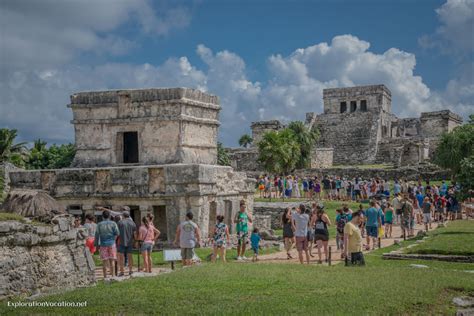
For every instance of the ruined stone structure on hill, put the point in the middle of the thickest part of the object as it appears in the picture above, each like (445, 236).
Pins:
(358, 124)
(154, 150)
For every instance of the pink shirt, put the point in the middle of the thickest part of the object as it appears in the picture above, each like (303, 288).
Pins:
(147, 235)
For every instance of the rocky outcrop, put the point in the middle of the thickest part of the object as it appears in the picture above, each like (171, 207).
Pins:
(37, 258)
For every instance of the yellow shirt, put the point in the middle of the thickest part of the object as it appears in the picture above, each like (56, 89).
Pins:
(354, 243)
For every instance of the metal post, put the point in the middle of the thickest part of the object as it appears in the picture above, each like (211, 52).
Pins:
(329, 256)
(172, 265)
(380, 243)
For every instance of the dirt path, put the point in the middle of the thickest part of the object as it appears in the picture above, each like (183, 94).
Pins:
(281, 257)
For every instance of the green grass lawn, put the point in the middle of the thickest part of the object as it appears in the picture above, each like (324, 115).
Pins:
(383, 287)
(457, 238)
(203, 253)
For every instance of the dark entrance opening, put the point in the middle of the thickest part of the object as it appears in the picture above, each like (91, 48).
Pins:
(130, 147)
(353, 106)
(160, 221)
(363, 105)
(343, 107)
(228, 215)
(135, 214)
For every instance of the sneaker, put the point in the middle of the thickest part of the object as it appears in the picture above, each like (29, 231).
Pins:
(239, 258)
(245, 258)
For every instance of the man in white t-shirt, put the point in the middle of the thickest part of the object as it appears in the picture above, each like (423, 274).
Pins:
(299, 222)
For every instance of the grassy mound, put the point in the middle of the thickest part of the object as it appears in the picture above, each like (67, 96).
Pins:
(455, 239)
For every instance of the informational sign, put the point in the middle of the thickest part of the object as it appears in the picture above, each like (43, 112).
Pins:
(175, 255)
(172, 255)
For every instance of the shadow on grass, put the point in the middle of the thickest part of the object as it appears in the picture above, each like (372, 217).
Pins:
(455, 233)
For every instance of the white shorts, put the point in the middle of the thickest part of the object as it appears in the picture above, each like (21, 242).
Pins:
(426, 218)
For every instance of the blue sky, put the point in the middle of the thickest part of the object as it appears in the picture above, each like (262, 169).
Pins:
(265, 59)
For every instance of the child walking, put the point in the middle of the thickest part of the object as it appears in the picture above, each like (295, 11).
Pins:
(255, 241)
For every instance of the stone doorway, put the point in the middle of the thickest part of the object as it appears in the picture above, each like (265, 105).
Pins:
(160, 221)
(135, 214)
(130, 147)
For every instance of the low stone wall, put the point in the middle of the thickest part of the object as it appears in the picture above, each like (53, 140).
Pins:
(5, 168)
(262, 222)
(274, 210)
(40, 258)
(322, 157)
(412, 173)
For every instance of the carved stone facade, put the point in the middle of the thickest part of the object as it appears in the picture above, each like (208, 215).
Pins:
(153, 150)
(358, 124)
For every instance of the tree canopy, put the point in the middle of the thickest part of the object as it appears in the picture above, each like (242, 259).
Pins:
(279, 151)
(222, 156)
(245, 140)
(455, 146)
(9, 150)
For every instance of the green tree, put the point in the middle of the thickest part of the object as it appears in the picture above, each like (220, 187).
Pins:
(222, 156)
(9, 150)
(245, 140)
(279, 151)
(306, 138)
(54, 157)
(454, 147)
(465, 177)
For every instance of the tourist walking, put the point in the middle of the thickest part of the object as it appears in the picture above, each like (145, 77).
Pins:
(127, 229)
(105, 235)
(221, 238)
(288, 234)
(241, 220)
(300, 220)
(188, 236)
(374, 221)
(388, 220)
(255, 243)
(427, 208)
(147, 235)
(321, 232)
(353, 240)
(397, 206)
(406, 215)
(90, 227)
(342, 218)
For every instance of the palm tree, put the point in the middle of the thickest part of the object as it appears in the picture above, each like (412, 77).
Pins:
(278, 151)
(222, 156)
(9, 151)
(245, 140)
(306, 138)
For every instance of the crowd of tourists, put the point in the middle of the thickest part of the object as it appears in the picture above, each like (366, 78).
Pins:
(339, 188)
(304, 228)
(117, 235)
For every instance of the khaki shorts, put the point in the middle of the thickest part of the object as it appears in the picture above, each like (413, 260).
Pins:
(187, 253)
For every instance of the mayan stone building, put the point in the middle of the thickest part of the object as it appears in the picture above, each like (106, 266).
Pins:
(358, 127)
(153, 150)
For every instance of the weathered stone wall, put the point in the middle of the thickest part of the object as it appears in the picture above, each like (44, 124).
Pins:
(260, 128)
(322, 157)
(244, 159)
(352, 135)
(5, 169)
(376, 97)
(275, 210)
(37, 258)
(173, 125)
(434, 124)
(262, 222)
(177, 188)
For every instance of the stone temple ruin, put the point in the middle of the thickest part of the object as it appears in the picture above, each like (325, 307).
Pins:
(153, 150)
(358, 127)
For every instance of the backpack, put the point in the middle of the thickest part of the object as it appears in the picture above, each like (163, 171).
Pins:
(341, 223)
(405, 210)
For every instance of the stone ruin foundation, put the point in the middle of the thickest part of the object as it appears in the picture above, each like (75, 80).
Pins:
(38, 258)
